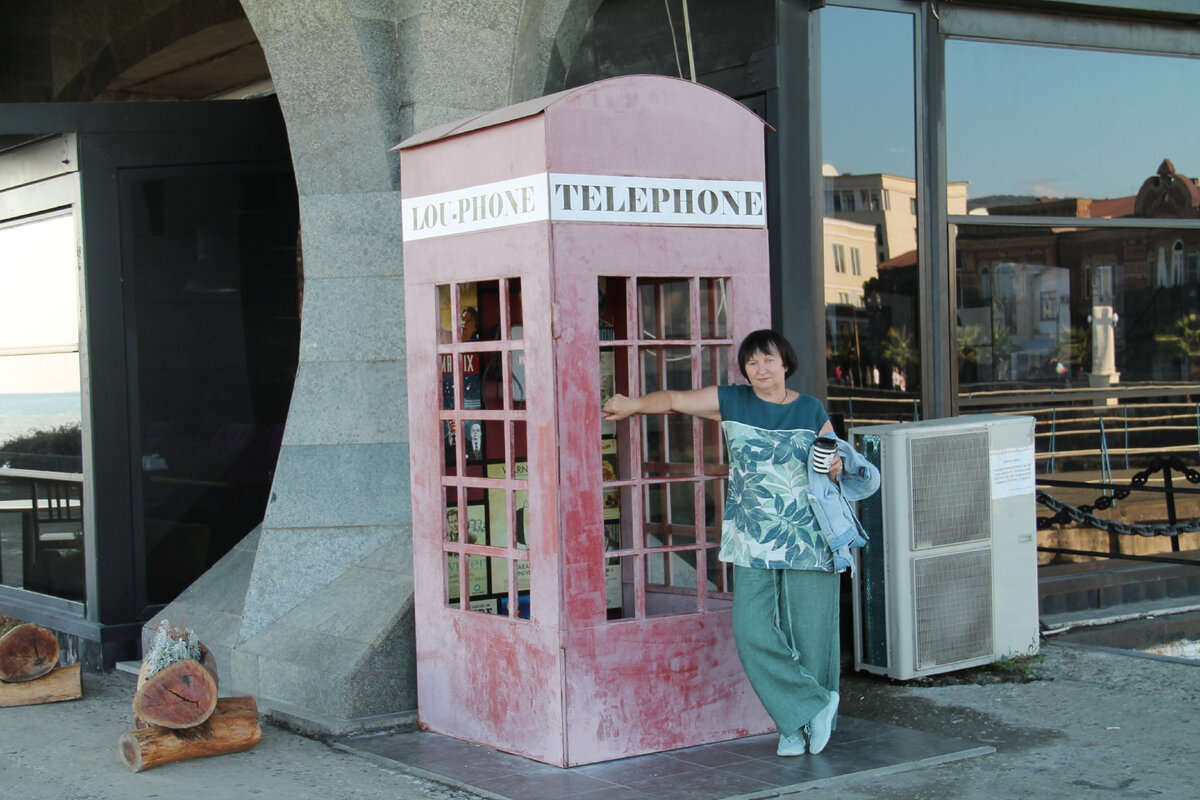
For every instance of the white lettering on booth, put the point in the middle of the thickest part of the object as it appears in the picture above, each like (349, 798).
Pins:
(585, 198)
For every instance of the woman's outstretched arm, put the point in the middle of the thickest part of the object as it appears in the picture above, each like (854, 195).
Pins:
(697, 402)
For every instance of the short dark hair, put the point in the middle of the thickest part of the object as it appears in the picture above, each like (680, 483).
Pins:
(764, 341)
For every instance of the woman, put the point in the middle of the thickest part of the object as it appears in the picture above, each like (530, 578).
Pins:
(786, 587)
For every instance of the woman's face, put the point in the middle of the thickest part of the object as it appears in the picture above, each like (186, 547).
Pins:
(766, 371)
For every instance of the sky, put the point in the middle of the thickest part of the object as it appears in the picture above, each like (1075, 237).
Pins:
(1020, 119)
(39, 257)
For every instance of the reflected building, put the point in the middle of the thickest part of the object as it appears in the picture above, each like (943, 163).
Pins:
(1029, 306)
(886, 202)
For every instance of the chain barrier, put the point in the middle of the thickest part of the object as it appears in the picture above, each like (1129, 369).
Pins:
(1066, 513)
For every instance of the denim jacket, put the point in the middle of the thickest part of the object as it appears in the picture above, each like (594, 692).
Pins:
(830, 502)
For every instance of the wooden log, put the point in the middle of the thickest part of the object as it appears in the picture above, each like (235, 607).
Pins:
(207, 660)
(232, 728)
(27, 652)
(181, 695)
(63, 683)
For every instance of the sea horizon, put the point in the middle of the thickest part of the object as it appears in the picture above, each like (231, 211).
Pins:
(21, 414)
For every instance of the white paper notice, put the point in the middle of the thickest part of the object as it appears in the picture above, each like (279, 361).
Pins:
(1012, 472)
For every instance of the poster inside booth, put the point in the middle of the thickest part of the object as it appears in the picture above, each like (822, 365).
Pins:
(481, 444)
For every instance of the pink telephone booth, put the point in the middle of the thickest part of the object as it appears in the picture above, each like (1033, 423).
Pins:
(569, 603)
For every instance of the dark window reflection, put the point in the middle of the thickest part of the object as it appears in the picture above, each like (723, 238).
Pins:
(215, 294)
(1097, 307)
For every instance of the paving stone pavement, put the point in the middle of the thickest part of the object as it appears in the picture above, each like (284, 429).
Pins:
(1093, 724)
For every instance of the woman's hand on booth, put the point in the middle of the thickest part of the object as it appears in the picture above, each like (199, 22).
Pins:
(619, 407)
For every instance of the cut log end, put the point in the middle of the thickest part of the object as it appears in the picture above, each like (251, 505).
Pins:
(181, 695)
(27, 652)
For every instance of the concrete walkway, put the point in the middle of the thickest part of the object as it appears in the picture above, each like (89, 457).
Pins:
(1094, 724)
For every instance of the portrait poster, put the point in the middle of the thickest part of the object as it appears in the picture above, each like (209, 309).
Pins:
(477, 571)
(498, 525)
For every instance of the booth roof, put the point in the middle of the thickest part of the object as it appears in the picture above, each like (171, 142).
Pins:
(499, 116)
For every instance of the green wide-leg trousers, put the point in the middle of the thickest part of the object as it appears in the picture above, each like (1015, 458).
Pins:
(785, 624)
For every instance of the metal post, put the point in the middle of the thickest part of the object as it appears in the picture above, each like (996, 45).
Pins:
(1125, 410)
(1105, 466)
(1167, 484)
(1053, 433)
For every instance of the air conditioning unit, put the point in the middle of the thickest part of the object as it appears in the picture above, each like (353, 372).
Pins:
(948, 578)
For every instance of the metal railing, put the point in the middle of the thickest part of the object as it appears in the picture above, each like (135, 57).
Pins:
(1067, 514)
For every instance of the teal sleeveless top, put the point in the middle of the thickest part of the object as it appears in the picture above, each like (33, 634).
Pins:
(768, 523)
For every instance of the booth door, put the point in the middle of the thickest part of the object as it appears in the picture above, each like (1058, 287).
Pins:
(664, 476)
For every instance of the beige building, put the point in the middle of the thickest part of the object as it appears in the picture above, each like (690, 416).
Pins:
(888, 203)
(850, 260)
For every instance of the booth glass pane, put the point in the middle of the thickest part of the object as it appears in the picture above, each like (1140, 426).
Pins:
(445, 314)
(522, 520)
(714, 312)
(665, 305)
(516, 379)
(453, 584)
(516, 314)
(524, 605)
(714, 509)
(520, 450)
(449, 447)
(670, 584)
(653, 451)
(655, 514)
(611, 303)
(683, 569)
(666, 368)
(480, 310)
(714, 365)
(680, 444)
(620, 575)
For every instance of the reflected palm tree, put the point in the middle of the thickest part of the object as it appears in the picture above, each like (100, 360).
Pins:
(900, 348)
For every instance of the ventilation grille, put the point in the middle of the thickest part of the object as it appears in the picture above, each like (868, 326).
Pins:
(953, 605)
(951, 489)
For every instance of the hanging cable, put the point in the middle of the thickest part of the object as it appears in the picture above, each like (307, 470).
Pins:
(687, 31)
(674, 43)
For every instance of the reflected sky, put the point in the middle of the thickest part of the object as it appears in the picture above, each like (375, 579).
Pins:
(867, 91)
(1020, 120)
(1067, 123)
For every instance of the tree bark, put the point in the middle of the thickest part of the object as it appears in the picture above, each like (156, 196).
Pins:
(232, 728)
(63, 683)
(27, 652)
(181, 695)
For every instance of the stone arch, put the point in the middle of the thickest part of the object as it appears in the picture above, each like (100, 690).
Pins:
(106, 49)
(550, 32)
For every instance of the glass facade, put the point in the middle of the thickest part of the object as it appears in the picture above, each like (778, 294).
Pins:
(870, 221)
(41, 461)
(213, 283)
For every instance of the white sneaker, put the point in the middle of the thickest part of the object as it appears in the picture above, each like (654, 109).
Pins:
(821, 726)
(791, 744)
